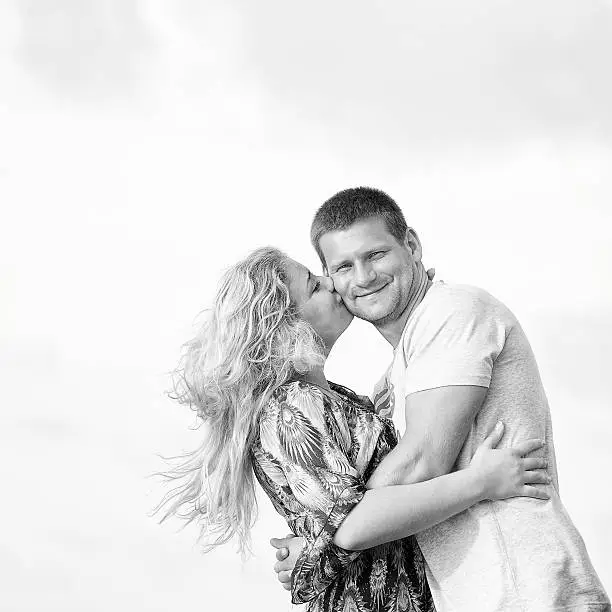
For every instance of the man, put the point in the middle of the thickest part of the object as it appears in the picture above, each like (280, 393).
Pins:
(461, 363)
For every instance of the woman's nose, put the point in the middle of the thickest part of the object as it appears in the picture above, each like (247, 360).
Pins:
(326, 282)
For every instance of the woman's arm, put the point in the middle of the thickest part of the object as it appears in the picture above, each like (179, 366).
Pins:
(395, 512)
(305, 465)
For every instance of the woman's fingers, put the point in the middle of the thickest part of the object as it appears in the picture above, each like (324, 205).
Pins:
(494, 436)
(284, 578)
(529, 491)
(528, 446)
(536, 478)
(535, 463)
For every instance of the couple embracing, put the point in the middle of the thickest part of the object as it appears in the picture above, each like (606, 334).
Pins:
(461, 514)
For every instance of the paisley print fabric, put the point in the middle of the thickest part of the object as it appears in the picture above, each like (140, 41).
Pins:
(313, 453)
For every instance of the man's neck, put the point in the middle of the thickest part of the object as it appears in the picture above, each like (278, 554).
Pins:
(392, 330)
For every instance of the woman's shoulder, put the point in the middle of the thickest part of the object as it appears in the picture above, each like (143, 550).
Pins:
(299, 393)
(298, 399)
(299, 388)
(297, 421)
(306, 394)
(305, 400)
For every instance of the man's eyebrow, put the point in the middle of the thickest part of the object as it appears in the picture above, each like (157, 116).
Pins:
(363, 253)
(336, 264)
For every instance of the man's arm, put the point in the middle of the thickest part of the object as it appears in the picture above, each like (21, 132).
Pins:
(437, 424)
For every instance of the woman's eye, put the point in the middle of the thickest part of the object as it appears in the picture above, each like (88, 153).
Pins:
(316, 287)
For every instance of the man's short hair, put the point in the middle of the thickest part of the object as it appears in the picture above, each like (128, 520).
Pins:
(351, 205)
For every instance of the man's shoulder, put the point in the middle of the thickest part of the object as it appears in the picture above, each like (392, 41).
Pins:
(458, 312)
(454, 299)
(442, 291)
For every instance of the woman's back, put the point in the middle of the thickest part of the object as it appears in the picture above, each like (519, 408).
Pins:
(313, 453)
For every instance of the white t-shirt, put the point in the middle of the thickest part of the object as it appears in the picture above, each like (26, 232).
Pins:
(520, 554)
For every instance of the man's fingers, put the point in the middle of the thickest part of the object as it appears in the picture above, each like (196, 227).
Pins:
(535, 463)
(285, 577)
(524, 448)
(282, 554)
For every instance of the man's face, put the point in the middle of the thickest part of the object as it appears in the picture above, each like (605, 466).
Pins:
(371, 270)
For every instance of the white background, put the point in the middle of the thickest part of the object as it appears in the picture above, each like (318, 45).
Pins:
(146, 145)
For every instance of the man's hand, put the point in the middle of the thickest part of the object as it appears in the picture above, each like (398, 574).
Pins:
(287, 553)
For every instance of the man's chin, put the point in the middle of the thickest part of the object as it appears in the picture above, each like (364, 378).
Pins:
(372, 315)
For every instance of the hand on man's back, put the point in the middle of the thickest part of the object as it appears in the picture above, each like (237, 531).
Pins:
(288, 550)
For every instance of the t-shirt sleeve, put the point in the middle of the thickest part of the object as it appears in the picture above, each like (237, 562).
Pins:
(305, 458)
(455, 341)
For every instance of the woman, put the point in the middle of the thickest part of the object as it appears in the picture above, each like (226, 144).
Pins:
(254, 374)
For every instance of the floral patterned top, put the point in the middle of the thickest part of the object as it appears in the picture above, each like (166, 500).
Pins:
(313, 453)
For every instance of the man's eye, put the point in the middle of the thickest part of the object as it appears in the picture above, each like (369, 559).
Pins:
(316, 287)
(376, 254)
(342, 268)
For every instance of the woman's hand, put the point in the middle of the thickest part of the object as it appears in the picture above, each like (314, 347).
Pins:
(288, 550)
(505, 473)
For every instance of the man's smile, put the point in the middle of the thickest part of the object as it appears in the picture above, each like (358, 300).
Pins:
(370, 293)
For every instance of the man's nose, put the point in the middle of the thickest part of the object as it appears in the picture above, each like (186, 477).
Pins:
(364, 274)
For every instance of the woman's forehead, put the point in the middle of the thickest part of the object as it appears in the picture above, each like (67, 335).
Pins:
(296, 270)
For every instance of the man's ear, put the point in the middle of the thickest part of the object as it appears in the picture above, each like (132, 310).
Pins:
(413, 244)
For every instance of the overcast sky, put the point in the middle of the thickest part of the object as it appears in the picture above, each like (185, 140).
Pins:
(146, 145)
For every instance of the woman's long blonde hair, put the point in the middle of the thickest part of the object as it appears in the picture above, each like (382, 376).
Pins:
(252, 342)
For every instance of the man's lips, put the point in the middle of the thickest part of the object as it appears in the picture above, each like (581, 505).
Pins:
(362, 295)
